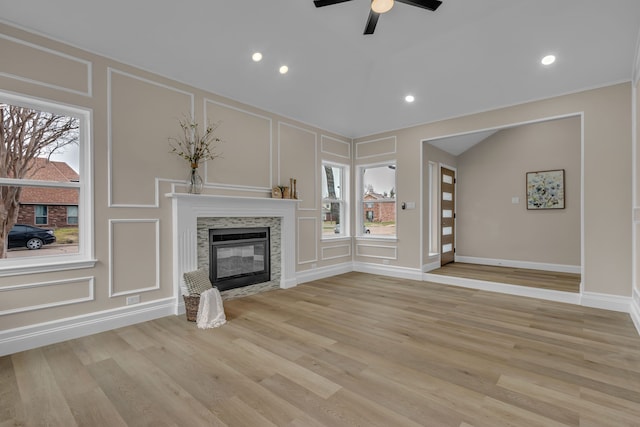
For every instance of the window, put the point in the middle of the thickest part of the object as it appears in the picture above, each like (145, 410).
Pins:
(377, 200)
(41, 215)
(54, 190)
(72, 215)
(334, 195)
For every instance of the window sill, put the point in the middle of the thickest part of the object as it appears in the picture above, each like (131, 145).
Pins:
(379, 238)
(336, 238)
(46, 266)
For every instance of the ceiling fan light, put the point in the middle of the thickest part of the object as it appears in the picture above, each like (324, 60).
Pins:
(381, 6)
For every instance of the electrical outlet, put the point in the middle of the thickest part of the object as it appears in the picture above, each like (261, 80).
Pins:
(385, 261)
(314, 265)
(134, 299)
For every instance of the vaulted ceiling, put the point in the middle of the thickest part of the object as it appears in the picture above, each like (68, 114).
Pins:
(467, 56)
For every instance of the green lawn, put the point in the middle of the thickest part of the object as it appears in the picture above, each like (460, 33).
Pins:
(66, 235)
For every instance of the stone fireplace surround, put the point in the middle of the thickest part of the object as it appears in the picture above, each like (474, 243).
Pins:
(187, 209)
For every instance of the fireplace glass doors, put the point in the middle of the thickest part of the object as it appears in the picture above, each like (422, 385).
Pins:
(239, 257)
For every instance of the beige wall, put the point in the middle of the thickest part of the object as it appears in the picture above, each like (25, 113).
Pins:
(133, 114)
(491, 173)
(607, 169)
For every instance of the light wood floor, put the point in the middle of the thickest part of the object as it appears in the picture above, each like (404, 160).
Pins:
(352, 350)
(566, 282)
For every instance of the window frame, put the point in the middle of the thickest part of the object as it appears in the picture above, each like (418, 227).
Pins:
(360, 202)
(85, 257)
(36, 216)
(343, 200)
(76, 216)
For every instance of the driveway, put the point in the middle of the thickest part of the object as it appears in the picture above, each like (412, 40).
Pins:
(44, 251)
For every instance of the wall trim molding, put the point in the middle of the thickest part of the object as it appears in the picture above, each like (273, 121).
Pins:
(153, 287)
(33, 336)
(88, 64)
(606, 301)
(110, 197)
(635, 79)
(559, 268)
(523, 291)
(322, 150)
(395, 147)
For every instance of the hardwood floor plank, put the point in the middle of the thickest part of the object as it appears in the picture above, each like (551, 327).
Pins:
(9, 392)
(77, 385)
(551, 280)
(40, 394)
(350, 350)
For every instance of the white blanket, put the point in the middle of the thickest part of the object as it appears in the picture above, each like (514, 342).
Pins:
(210, 310)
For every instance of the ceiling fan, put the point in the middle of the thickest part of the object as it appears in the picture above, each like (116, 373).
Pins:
(379, 7)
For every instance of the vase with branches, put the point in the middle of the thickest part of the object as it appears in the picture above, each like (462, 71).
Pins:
(195, 146)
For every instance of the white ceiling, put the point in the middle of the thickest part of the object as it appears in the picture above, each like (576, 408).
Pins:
(467, 56)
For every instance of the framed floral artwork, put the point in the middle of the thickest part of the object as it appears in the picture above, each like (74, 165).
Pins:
(545, 189)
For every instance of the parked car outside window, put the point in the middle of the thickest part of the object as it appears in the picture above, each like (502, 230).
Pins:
(30, 237)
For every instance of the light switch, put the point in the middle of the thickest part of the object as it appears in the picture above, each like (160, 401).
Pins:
(515, 200)
(411, 205)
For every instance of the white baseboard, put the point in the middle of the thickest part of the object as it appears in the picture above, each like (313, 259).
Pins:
(288, 283)
(634, 310)
(606, 301)
(560, 268)
(33, 336)
(546, 294)
(431, 266)
(388, 270)
(323, 272)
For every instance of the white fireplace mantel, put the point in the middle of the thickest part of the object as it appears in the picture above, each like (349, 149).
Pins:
(187, 208)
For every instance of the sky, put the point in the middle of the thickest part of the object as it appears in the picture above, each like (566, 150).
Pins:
(70, 155)
(381, 178)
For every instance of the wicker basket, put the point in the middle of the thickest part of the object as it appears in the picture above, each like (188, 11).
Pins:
(191, 303)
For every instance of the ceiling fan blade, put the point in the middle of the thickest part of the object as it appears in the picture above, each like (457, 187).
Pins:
(371, 22)
(425, 4)
(320, 3)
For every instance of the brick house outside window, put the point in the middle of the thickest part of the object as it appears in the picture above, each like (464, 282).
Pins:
(52, 207)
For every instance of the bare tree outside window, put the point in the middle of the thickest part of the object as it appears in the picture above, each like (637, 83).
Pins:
(25, 135)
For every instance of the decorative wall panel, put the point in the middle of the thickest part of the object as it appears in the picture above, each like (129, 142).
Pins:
(132, 274)
(297, 151)
(374, 251)
(376, 147)
(336, 251)
(63, 72)
(143, 114)
(307, 240)
(246, 147)
(36, 296)
(335, 147)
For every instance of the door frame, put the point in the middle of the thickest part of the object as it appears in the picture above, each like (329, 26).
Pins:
(428, 265)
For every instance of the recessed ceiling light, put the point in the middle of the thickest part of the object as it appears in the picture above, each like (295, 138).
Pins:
(409, 98)
(284, 69)
(548, 60)
(257, 57)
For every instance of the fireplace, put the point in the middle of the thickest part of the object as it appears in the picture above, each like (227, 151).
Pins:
(239, 257)
(193, 217)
